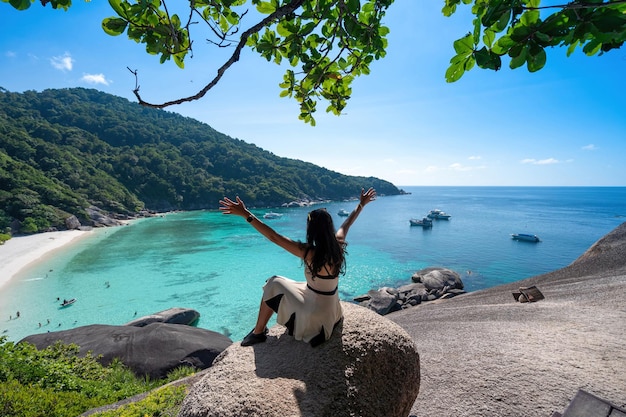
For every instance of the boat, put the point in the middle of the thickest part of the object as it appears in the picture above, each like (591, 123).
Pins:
(343, 213)
(425, 222)
(438, 215)
(69, 302)
(525, 237)
(272, 215)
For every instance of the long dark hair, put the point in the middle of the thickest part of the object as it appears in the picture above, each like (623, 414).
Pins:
(320, 235)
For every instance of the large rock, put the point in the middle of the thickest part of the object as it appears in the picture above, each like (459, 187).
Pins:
(72, 222)
(440, 279)
(381, 301)
(152, 350)
(175, 315)
(369, 367)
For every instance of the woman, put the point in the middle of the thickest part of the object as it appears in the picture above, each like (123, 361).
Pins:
(310, 309)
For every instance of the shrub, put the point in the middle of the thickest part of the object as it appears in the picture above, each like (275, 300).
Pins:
(56, 382)
(164, 402)
(4, 237)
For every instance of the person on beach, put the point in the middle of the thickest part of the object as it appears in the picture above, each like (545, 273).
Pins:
(310, 310)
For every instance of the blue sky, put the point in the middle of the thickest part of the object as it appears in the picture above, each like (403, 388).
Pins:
(564, 125)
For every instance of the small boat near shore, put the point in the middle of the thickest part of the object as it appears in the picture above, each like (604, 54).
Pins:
(272, 215)
(526, 237)
(343, 213)
(69, 302)
(425, 222)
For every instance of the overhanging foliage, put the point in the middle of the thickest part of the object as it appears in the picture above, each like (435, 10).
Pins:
(327, 43)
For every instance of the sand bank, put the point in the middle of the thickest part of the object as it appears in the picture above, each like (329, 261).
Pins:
(19, 252)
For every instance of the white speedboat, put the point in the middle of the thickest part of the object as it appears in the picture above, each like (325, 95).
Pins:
(272, 215)
(425, 222)
(343, 213)
(525, 237)
(438, 215)
(69, 302)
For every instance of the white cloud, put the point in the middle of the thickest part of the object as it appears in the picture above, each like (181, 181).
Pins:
(547, 161)
(95, 79)
(590, 147)
(431, 168)
(475, 157)
(459, 167)
(62, 63)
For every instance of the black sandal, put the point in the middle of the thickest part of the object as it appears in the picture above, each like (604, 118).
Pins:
(253, 338)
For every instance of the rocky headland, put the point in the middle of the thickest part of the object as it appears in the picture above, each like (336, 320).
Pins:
(485, 354)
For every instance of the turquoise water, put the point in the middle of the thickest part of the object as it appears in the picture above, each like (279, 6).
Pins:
(216, 264)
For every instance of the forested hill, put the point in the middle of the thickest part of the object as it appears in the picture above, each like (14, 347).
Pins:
(62, 151)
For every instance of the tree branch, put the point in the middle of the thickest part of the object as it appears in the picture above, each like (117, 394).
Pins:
(279, 13)
(578, 5)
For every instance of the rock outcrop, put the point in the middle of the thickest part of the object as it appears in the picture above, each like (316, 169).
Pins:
(175, 315)
(429, 284)
(72, 223)
(152, 350)
(369, 367)
(100, 218)
(438, 279)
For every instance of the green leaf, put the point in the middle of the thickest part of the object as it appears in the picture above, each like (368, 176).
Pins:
(592, 47)
(265, 7)
(283, 29)
(496, 10)
(20, 4)
(178, 60)
(530, 17)
(610, 22)
(455, 72)
(464, 45)
(487, 59)
(503, 22)
(354, 6)
(503, 45)
(116, 5)
(114, 26)
(572, 48)
(520, 33)
(477, 29)
(488, 37)
(536, 61)
(545, 39)
(518, 56)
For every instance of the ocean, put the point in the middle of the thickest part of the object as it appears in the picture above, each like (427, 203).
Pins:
(217, 264)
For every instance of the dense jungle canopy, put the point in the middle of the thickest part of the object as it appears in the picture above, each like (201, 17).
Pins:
(63, 151)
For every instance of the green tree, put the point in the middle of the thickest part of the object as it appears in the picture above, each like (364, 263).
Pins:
(523, 30)
(327, 43)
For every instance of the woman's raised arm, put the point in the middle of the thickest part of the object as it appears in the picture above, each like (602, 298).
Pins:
(366, 197)
(228, 206)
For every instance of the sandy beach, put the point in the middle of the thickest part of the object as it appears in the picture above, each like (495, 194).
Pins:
(22, 251)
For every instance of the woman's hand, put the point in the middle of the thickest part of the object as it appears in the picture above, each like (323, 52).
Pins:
(367, 196)
(228, 206)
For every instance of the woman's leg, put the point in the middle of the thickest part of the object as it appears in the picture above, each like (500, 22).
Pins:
(265, 313)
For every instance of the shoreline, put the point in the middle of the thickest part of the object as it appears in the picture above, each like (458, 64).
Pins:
(21, 252)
